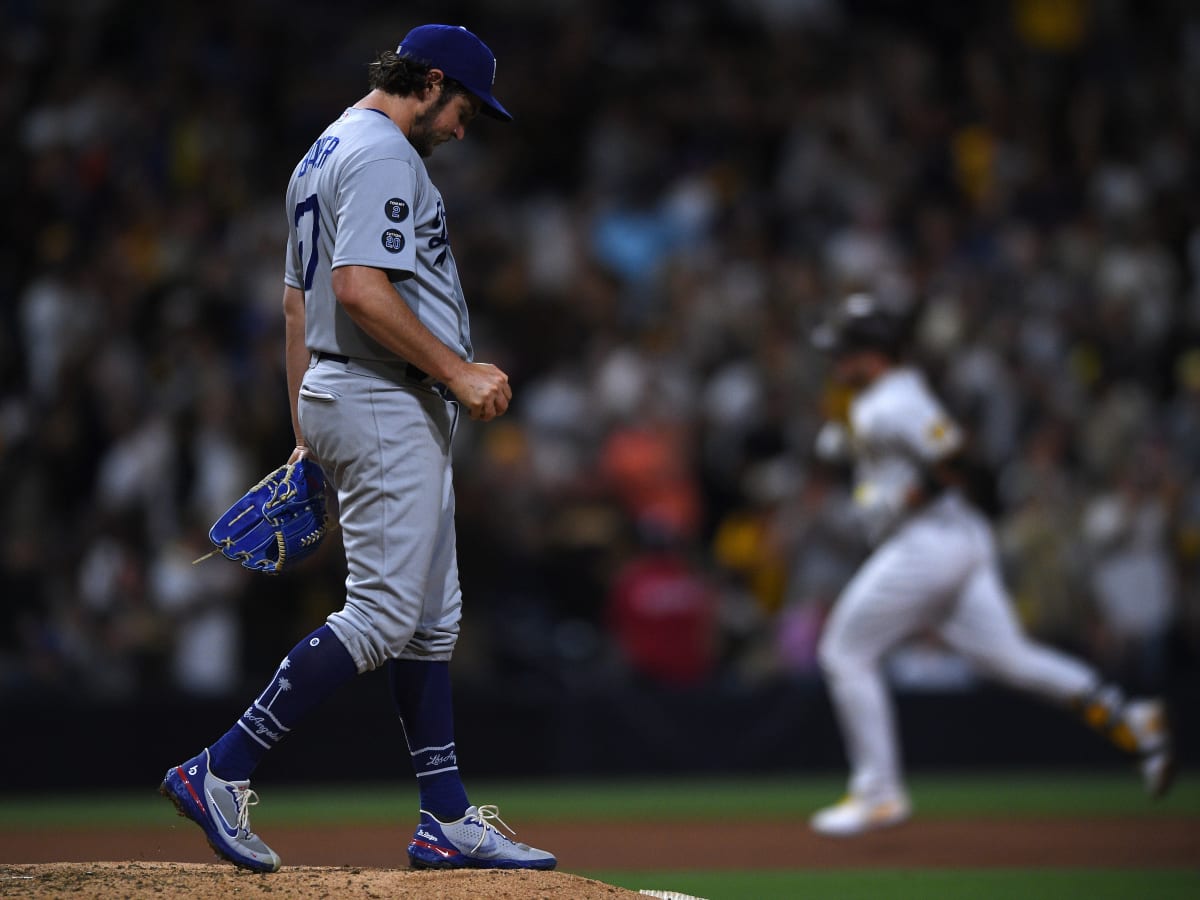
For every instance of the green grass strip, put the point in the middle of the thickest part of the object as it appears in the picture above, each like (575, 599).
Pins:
(996, 794)
(786, 799)
(921, 884)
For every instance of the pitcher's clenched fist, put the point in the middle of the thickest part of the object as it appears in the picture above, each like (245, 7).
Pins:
(483, 389)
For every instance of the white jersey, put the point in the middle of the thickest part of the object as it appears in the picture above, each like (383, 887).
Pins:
(934, 570)
(361, 196)
(898, 429)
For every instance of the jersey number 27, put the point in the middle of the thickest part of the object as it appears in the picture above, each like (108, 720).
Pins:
(308, 207)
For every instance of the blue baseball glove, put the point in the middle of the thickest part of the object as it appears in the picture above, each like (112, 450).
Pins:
(277, 522)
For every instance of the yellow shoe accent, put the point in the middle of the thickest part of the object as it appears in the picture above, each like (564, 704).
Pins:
(854, 815)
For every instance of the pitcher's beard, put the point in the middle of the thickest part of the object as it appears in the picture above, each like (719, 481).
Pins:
(421, 134)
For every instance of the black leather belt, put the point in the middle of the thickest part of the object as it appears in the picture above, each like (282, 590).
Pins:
(411, 372)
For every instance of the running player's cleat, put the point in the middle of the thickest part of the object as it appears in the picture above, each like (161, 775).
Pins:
(222, 809)
(472, 842)
(855, 815)
(1150, 732)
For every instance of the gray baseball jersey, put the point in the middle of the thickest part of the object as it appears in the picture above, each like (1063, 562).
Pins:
(361, 196)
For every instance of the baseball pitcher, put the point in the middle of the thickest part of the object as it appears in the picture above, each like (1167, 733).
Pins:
(379, 363)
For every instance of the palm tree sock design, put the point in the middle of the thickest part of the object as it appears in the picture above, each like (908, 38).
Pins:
(314, 668)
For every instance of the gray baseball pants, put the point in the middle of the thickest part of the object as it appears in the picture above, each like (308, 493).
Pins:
(384, 443)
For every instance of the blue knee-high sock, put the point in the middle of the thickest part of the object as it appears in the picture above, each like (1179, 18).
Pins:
(421, 693)
(313, 669)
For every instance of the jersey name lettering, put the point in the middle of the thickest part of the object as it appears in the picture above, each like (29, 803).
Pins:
(318, 153)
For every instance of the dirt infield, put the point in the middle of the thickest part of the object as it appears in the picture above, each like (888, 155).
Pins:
(173, 860)
(196, 881)
(1136, 842)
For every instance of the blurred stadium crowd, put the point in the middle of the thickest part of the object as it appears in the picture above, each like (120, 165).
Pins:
(646, 249)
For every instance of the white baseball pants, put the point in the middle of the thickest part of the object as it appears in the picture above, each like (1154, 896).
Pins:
(938, 571)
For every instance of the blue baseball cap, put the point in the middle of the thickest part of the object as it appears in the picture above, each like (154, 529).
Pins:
(462, 56)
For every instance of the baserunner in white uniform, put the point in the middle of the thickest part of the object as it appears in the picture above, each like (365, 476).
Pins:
(379, 363)
(935, 568)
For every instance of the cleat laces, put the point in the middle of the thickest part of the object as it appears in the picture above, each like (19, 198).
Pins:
(243, 799)
(485, 815)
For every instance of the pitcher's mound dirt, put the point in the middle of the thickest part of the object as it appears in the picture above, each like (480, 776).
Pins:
(201, 881)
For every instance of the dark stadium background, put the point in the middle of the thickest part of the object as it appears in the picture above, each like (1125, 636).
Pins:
(685, 189)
